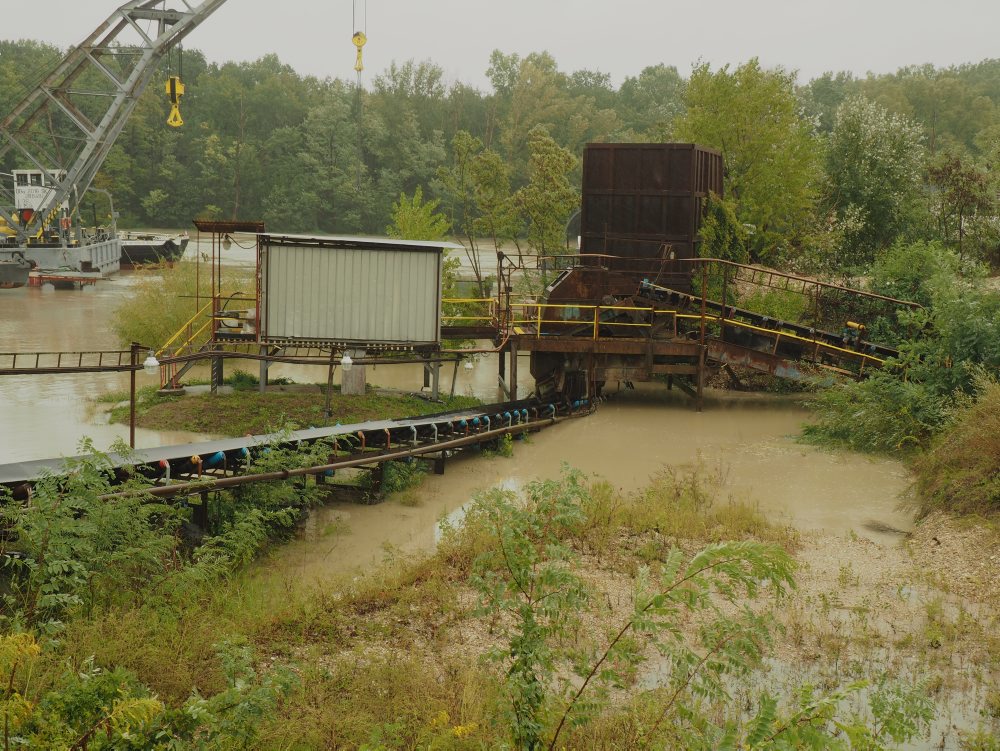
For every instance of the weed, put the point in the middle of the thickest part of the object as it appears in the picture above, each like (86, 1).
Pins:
(960, 473)
(502, 446)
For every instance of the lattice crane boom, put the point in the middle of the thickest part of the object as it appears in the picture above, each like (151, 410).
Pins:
(68, 123)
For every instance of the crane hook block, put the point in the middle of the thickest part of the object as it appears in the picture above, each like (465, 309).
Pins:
(175, 90)
(359, 40)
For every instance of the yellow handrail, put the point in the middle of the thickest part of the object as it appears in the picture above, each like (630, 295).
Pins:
(183, 328)
(191, 338)
(595, 321)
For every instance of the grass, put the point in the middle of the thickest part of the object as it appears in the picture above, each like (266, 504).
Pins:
(245, 411)
(960, 473)
(390, 657)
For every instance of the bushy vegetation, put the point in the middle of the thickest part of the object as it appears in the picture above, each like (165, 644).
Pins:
(107, 655)
(959, 471)
(938, 401)
(86, 547)
(164, 300)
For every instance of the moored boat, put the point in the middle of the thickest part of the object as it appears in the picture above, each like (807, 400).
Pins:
(139, 248)
(14, 269)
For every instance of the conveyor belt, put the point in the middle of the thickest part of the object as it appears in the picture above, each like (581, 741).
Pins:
(190, 459)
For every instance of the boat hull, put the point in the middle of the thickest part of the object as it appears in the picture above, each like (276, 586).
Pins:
(139, 249)
(14, 270)
(99, 257)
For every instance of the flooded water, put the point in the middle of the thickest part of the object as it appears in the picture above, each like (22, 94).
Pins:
(45, 416)
(748, 439)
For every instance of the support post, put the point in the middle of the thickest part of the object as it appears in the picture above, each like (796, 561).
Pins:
(436, 381)
(353, 382)
(513, 371)
(454, 377)
(701, 378)
(199, 512)
(377, 474)
(133, 362)
(262, 383)
(327, 411)
(217, 374)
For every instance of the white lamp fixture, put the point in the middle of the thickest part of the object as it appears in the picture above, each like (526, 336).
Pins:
(227, 242)
(346, 363)
(151, 365)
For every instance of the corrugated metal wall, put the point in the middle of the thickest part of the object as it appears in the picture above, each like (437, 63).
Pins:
(344, 294)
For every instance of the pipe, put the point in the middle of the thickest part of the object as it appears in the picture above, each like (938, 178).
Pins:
(361, 435)
(414, 429)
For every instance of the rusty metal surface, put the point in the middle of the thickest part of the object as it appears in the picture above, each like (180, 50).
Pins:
(228, 228)
(38, 363)
(734, 354)
(589, 285)
(638, 197)
(610, 345)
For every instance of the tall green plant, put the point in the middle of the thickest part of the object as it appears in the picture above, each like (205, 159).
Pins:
(165, 299)
(413, 218)
(753, 116)
(549, 199)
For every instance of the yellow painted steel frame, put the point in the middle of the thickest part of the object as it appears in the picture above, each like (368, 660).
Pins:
(537, 319)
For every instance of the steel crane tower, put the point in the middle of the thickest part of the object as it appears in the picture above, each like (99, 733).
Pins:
(68, 123)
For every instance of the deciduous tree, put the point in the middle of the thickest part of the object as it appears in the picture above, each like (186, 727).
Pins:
(873, 163)
(772, 159)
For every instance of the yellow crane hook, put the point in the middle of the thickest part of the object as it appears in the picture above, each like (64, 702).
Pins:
(359, 40)
(175, 90)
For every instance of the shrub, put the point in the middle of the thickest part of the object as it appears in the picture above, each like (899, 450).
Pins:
(884, 414)
(961, 471)
(913, 271)
(164, 300)
(907, 403)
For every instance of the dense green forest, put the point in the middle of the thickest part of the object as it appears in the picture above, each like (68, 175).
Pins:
(822, 174)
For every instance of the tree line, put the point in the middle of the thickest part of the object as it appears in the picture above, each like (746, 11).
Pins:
(821, 174)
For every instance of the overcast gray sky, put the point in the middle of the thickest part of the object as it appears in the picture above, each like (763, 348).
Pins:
(619, 37)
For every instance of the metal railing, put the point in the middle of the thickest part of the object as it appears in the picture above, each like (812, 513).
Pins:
(488, 308)
(13, 363)
(535, 315)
